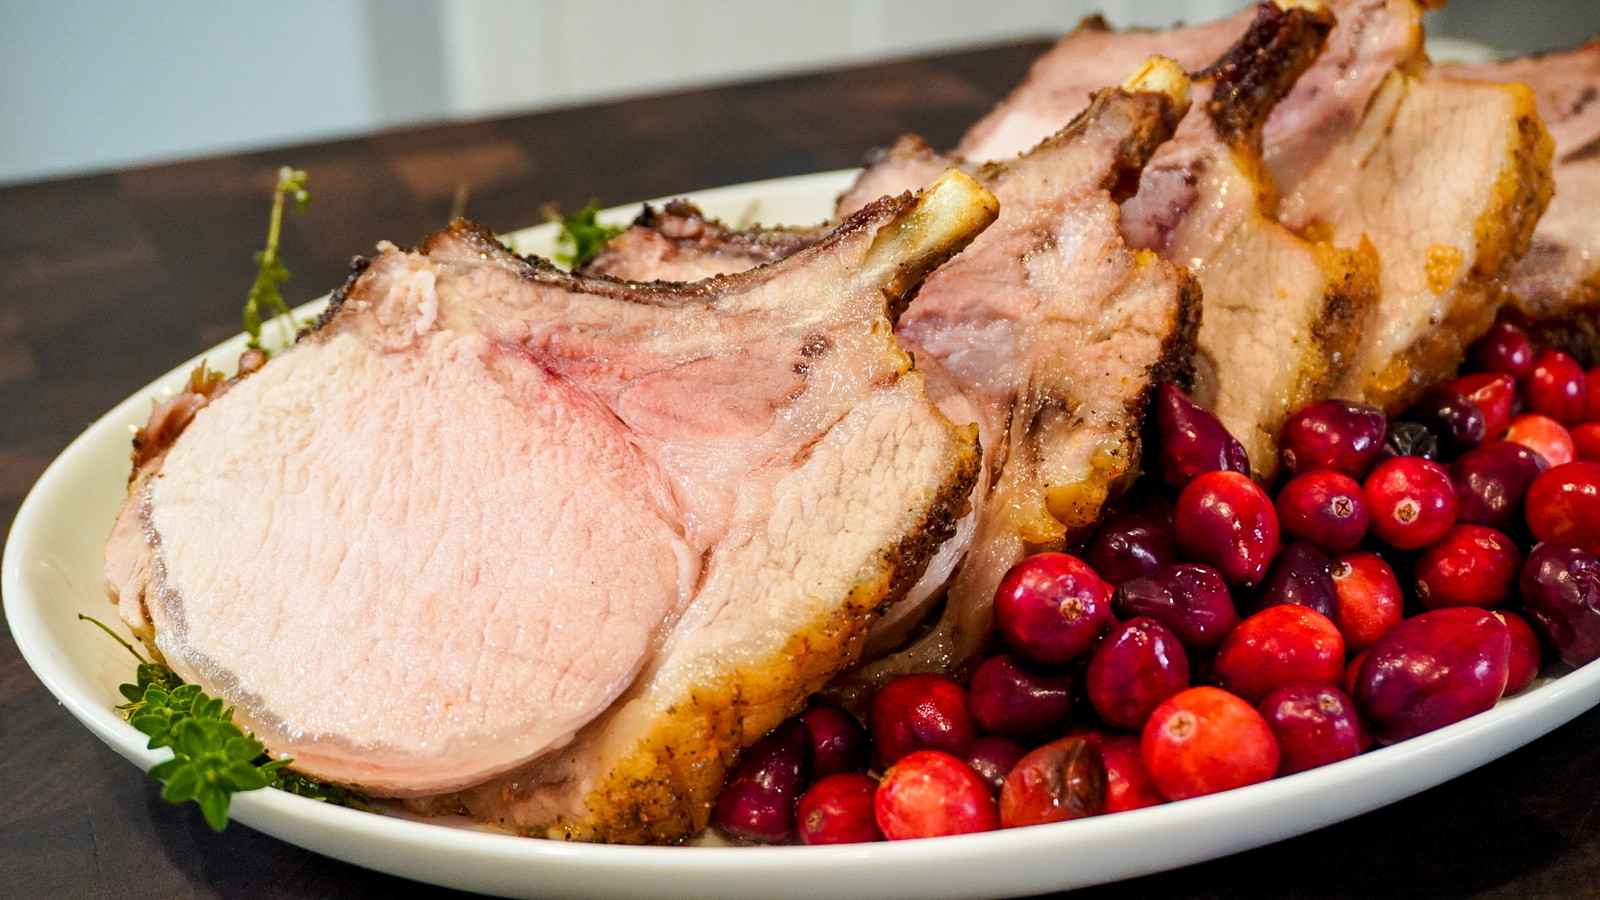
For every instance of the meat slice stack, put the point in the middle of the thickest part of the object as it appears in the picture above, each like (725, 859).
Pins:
(491, 522)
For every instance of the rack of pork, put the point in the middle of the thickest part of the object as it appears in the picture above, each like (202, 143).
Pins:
(549, 549)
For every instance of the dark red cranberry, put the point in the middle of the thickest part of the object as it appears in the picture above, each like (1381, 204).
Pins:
(1130, 547)
(1369, 599)
(839, 742)
(838, 809)
(1544, 436)
(757, 804)
(1008, 698)
(1193, 442)
(1301, 576)
(1564, 505)
(1411, 500)
(1324, 507)
(1591, 410)
(1315, 724)
(1128, 784)
(1505, 348)
(1333, 434)
(925, 711)
(930, 793)
(1494, 394)
(1431, 670)
(1191, 599)
(1051, 608)
(1586, 440)
(1491, 482)
(993, 757)
(1561, 596)
(1139, 664)
(1456, 421)
(1064, 779)
(1226, 521)
(1526, 655)
(1472, 565)
(1556, 387)
(1409, 439)
(1279, 645)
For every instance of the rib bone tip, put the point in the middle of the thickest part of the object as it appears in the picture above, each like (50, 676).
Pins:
(1160, 75)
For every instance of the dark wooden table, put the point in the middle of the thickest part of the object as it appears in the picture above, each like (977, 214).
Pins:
(107, 281)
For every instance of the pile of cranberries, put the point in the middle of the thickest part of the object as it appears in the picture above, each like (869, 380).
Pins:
(1404, 575)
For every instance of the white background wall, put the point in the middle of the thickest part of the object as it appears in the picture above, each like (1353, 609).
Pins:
(94, 84)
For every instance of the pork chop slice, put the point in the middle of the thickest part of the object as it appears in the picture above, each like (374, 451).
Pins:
(486, 506)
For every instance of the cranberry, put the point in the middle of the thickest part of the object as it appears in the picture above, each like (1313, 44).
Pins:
(1064, 779)
(1223, 519)
(1007, 698)
(1315, 724)
(1203, 740)
(930, 793)
(1505, 348)
(1544, 436)
(993, 757)
(1586, 440)
(1193, 442)
(1279, 645)
(1139, 664)
(1324, 507)
(1191, 599)
(1333, 434)
(1411, 500)
(1457, 421)
(1564, 505)
(1472, 565)
(1409, 439)
(1352, 673)
(1491, 482)
(1561, 596)
(1556, 387)
(1526, 657)
(839, 743)
(925, 711)
(1494, 394)
(1131, 547)
(1433, 669)
(757, 805)
(1591, 380)
(1051, 607)
(1128, 784)
(1369, 601)
(838, 809)
(1301, 576)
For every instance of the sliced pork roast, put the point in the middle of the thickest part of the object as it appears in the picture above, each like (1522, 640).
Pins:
(489, 520)
(1556, 286)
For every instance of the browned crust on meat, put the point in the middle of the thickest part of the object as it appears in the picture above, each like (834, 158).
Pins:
(1352, 291)
(683, 224)
(1262, 67)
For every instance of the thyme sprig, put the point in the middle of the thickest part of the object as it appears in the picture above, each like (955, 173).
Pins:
(582, 233)
(265, 296)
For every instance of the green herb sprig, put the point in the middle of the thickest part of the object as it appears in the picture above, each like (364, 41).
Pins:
(582, 233)
(212, 757)
(265, 296)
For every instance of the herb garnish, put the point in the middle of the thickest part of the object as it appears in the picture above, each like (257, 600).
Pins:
(582, 233)
(212, 757)
(264, 295)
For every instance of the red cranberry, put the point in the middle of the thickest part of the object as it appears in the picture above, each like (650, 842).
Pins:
(1279, 645)
(925, 711)
(1505, 348)
(1139, 664)
(1491, 482)
(1586, 440)
(1131, 547)
(1324, 507)
(1191, 599)
(1128, 784)
(1301, 576)
(1494, 394)
(1007, 698)
(1204, 740)
(1451, 417)
(1352, 673)
(839, 743)
(757, 805)
(1315, 724)
(1526, 656)
(1369, 601)
(1431, 670)
(930, 793)
(1224, 520)
(1564, 505)
(1561, 596)
(1064, 779)
(1591, 410)
(1411, 500)
(838, 809)
(1472, 565)
(1193, 442)
(1051, 607)
(1556, 387)
(993, 757)
(1544, 436)
(1333, 434)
